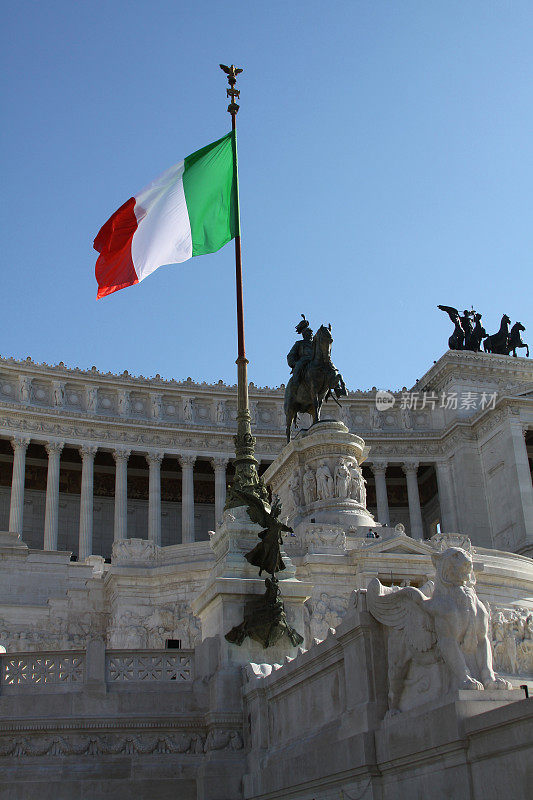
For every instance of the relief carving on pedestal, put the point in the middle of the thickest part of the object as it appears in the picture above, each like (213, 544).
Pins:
(342, 479)
(512, 640)
(294, 490)
(322, 538)
(309, 486)
(325, 486)
(357, 485)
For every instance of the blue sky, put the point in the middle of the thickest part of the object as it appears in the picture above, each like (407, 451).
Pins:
(386, 166)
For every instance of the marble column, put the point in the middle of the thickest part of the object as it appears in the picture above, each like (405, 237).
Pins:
(379, 469)
(85, 540)
(52, 495)
(448, 515)
(121, 493)
(16, 509)
(154, 498)
(187, 497)
(415, 512)
(219, 464)
(523, 489)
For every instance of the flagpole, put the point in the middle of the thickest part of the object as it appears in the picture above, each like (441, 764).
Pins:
(246, 474)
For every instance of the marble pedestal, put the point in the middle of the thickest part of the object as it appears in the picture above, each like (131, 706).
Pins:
(233, 581)
(319, 480)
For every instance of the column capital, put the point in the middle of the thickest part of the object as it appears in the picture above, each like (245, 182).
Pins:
(410, 466)
(121, 454)
(187, 460)
(378, 466)
(87, 451)
(20, 442)
(54, 447)
(154, 457)
(219, 462)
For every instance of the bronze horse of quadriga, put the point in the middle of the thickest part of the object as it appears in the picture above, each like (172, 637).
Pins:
(499, 342)
(319, 380)
(515, 339)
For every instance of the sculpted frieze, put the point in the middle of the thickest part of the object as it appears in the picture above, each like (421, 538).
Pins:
(93, 744)
(151, 627)
(63, 630)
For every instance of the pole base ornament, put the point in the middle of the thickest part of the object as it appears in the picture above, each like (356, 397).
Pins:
(265, 620)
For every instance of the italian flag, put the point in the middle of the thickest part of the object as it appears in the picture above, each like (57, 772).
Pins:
(190, 210)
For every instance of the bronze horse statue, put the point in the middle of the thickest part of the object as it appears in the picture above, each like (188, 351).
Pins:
(499, 342)
(515, 340)
(318, 381)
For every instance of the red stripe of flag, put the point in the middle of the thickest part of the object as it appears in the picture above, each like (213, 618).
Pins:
(114, 267)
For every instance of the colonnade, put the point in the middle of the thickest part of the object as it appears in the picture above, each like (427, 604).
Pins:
(443, 468)
(410, 469)
(121, 456)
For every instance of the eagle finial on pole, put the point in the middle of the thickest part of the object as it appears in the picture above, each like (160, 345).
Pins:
(232, 92)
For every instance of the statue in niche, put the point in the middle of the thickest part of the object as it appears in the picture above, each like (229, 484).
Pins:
(407, 418)
(92, 399)
(155, 406)
(324, 482)
(445, 624)
(309, 485)
(58, 394)
(253, 412)
(342, 480)
(376, 419)
(25, 389)
(187, 410)
(123, 403)
(221, 412)
(314, 376)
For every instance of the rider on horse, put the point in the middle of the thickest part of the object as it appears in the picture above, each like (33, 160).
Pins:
(314, 376)
(301, 352)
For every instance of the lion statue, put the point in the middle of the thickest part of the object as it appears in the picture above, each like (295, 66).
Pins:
(444, 622)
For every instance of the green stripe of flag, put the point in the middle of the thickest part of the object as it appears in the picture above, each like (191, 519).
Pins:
(211, 193)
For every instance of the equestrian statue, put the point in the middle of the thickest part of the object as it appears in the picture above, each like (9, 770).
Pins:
(314, 377)
(468, 334)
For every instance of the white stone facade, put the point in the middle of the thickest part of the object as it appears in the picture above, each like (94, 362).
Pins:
(115, 592)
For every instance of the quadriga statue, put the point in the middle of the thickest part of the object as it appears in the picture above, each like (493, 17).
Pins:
(444, 626)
